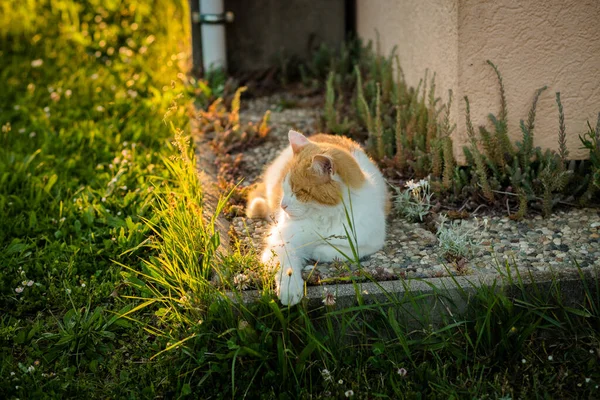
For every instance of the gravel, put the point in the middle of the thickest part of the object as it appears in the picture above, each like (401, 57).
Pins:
(567, 239)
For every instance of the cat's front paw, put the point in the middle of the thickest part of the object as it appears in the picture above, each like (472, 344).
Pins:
(290, 286)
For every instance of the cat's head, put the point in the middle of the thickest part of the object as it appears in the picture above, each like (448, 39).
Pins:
(317, 177)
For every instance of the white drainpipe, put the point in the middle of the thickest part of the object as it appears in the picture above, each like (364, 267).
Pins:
(213, 18)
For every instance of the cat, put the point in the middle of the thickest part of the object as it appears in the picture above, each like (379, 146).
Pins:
(307, 189)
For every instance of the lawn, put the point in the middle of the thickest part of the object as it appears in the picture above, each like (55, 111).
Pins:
(106, 260)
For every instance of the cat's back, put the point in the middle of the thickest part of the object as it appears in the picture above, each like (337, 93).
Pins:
(340, 141)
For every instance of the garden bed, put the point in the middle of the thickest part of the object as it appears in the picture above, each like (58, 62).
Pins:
(570, 237)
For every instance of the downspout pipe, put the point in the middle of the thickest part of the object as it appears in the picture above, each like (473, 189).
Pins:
(212, 22)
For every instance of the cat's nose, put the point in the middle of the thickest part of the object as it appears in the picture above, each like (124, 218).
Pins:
(284, 206)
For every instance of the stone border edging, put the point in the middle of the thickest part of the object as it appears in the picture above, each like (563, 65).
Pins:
(440, 298)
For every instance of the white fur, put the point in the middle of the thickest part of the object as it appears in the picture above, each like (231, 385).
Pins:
(301, 229)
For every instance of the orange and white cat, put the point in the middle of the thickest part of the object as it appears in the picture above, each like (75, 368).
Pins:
(306, 188)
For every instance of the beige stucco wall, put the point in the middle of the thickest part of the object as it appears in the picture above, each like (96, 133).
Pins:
(534, 43)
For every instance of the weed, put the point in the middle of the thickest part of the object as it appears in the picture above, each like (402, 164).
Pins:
(414, 203)
(459, 239)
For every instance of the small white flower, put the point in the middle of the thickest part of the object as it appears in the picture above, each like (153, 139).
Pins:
(12, 373)
(99, 108)
(591, 351)
(22, 130)
(31, 368)
(68, 93)
(412, 185)
(326, 375)
(46, 109)
(32, 134)
(37, 63)
(587, 380)
(349, 393)
(341, 382)
(104, 199)
(19, 290)
(402, 371)
(523, 361)
(329, 299)
(83, 285)
(94, 76)
(17, 107)
(24, 283)
(241, 281)
(68, 291)
(550, 358)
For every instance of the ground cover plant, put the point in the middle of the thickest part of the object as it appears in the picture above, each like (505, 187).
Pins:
(108, 262)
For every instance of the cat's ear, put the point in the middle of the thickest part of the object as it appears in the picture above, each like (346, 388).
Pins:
(323, 165)
(297, 141)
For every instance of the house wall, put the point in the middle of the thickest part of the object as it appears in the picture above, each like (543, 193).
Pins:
(263, 29)
(533, 43)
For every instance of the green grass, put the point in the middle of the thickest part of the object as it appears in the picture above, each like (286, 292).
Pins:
(107, 256)
(84, 91)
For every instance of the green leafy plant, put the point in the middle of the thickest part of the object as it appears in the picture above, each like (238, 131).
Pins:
(459, 239)
(86, 334)
(591, 142)
(414, 204)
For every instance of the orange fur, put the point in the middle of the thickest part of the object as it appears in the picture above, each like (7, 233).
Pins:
(308, 180)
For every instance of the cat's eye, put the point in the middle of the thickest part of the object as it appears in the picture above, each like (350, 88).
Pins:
(300, 192)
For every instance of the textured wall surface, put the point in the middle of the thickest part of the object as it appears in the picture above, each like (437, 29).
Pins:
(425, 33)
(533, 43)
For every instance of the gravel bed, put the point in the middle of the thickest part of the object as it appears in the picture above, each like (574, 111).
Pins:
(566, 239)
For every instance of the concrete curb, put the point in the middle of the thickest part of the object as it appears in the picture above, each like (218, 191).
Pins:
(437, 299)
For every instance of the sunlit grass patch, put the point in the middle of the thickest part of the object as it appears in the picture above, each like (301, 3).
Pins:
(85, 86)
